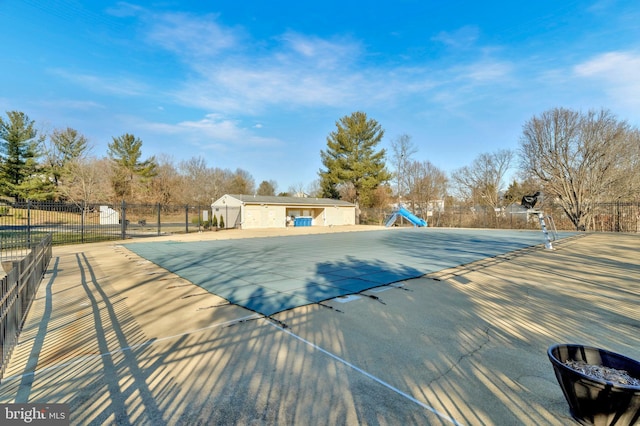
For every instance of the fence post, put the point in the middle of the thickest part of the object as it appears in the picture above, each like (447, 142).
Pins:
(158, 219)
(186, 218)
(28, 224)
(123, 220)
(82, 213)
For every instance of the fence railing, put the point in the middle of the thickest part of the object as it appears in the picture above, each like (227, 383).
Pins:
(617, 217)
(17, 290)
(71, 223)
(607, 217)
(74, 223)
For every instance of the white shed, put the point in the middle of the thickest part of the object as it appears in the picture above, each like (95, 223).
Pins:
(257, 211)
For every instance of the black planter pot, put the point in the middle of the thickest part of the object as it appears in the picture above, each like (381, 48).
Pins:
(594, 401)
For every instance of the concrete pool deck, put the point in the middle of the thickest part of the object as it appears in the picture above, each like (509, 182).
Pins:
(123, 341)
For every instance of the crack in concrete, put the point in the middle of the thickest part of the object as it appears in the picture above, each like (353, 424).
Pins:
(464, 356)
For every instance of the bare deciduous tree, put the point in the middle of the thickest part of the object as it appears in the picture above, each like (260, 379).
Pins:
(201, 184)
(165, 185)
(382, 197)
(195, 176)
(580, 159)
(241, 183)
(425, 183)
(403, 150)
(314, 189)
(483, 181)
(87, 179)
(297, 190)
(267, 187)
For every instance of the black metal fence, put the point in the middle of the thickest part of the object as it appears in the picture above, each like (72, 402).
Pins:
(608, 217)
(617, 217)
(71, 223)
(17, 290)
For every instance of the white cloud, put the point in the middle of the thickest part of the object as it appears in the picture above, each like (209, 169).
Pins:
(124, 10)
(233, 73)
(616, 66)
(617, 73)
(191, 36)
(71, 104)
(488, 71)
(300, 72)
(464, 37)
(212, 130)
(236, 75)
(323, 54)
(122, 86)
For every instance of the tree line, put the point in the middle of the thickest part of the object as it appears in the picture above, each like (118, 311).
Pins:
(60, 166)
(576, 159)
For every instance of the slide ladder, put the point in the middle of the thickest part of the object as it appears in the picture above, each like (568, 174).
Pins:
(552, 227)
(413, 219)
(548, 236)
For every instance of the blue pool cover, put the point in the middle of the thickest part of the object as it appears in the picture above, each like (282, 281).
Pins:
(272, 274)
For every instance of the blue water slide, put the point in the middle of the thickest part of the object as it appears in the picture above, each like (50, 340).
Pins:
(415, 220)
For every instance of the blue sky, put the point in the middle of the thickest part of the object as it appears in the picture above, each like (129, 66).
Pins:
(259, 85)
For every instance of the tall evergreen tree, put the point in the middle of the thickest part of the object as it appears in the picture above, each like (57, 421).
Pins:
(20, 176)
(66, 146)
(125, 152)
(351, 158)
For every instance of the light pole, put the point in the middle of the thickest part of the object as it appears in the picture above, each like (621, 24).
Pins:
(400, 165)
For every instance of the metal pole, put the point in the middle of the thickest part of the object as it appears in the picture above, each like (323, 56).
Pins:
(123, 220)
(84, 207)
(186, 218)
(28, 224)
(400, 186)
(158, 219)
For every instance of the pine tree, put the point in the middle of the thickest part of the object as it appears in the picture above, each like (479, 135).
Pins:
(21, 177)
(351, 158)
(125, 152)
(66, 146)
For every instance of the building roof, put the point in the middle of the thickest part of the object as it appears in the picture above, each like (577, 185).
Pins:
(308, 201)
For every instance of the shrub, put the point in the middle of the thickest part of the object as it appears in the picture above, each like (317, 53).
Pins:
(221, 222)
